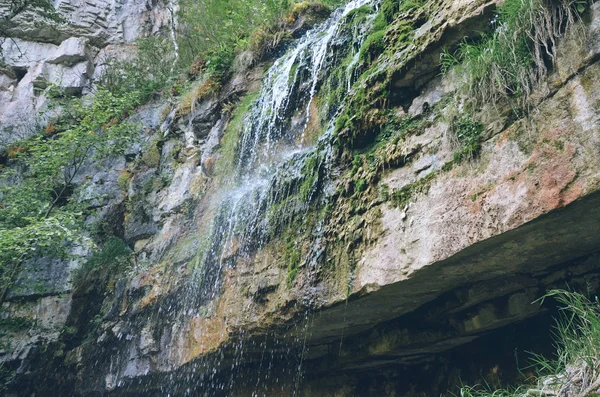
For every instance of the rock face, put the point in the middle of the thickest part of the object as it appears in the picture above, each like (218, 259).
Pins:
(418, 270)
(69, 54)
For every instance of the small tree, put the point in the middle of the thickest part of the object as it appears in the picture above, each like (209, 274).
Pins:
(39, 211)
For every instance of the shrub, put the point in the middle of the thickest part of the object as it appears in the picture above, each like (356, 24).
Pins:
(151, 158)
(40, 210)
(124, 179)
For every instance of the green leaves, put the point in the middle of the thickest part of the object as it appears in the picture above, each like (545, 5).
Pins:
(43, 7)
(40, 213)
(150, 72)
(38, 237)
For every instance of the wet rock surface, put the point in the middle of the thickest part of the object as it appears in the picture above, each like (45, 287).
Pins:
(456, 267)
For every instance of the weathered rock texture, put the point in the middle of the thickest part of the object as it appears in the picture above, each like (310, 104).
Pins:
(475, 243)
(69, 54)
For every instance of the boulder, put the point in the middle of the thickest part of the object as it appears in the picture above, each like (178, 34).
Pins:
(70, 52)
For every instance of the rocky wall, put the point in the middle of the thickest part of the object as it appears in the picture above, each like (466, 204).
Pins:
(461, 256)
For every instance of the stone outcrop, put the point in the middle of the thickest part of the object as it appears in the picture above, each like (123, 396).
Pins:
(69, 54)
(455, 264)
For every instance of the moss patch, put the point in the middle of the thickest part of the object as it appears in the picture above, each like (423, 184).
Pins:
(468, 134)
(228, 150)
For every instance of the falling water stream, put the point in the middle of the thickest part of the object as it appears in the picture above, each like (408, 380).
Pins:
(271, 151)
(272, 154)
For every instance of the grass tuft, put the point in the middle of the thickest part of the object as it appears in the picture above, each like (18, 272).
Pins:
(576, 369)
(511, 60)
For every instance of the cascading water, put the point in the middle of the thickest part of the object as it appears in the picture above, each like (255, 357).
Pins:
(273, 158)
(290, 87)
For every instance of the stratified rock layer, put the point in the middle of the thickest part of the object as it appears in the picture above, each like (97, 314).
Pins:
(68, 54)
(463, 257)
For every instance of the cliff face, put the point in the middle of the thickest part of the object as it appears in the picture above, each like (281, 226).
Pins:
(39, 52)
(278, 253)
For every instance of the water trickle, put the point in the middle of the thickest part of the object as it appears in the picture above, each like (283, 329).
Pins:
(290, 86)
(273, 162)
(173, 9)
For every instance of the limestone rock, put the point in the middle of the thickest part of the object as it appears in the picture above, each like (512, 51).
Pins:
(62, 53)
(70, 52)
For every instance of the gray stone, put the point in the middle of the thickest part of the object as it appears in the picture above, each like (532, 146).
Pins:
(70, 52)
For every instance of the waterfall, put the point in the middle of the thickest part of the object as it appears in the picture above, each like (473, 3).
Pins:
(271, 159)
(273, 156)
(269, 120)
(173, 8)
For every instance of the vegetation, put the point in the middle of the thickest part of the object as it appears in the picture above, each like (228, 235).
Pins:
(293, 257)
(401, 197)
(510, 61)
(151, 70)
(229, 145)
(103, 265)
(212, 32)
(363, 119)
(311, 172)
(576, 369)
(41, 212)
(44, 8)
(468, 136)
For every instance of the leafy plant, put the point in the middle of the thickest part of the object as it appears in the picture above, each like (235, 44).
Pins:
(151, 70)
(41, 212)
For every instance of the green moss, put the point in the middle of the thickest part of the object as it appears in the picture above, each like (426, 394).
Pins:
(124, 179)
(400, 37)
(359, 12)
(151, 157)
(293, 258)
(468, 133)
(384, 192)
(360, 186)
(14, 325)
(311, 173)
(373, 46)
(448, 166)
(401, 197)
(389, 9)
(292, 74)
(559, 145)
(229, 143)
(410, 5)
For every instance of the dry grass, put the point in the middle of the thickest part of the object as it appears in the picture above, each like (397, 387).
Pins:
(199, 90)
